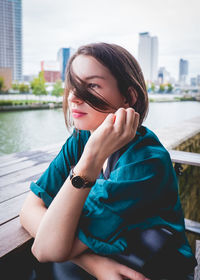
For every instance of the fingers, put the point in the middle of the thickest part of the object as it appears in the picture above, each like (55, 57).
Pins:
(124, 117)
(131, 117)
(110, 119)
(136, 121)
(116, 131)
(120, 117)
(127, 118)
(131, 274)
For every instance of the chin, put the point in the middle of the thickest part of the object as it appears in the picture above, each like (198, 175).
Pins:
(85, 127)
(81, 126)
(87, 124)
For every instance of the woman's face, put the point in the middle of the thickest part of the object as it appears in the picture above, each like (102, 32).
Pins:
(97, 77)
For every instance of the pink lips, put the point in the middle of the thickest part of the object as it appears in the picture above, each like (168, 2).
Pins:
(77, 113)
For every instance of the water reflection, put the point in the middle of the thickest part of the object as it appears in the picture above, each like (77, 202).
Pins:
(27, 130)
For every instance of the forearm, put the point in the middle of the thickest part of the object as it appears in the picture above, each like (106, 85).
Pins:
(105, 268)
(31, 213)
(87, 261)
(56, 233)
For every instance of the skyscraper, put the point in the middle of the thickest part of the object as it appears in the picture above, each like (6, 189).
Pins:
(11, 37)
(183, 71)
(63, 57)
(148, 55)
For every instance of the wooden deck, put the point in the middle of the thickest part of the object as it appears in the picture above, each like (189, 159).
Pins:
(18, 170)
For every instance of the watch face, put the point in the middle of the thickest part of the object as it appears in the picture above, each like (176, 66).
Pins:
(78, 182)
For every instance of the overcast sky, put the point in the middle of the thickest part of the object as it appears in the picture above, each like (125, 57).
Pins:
(49, 25)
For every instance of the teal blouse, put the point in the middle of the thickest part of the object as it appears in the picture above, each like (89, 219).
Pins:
(141, 192)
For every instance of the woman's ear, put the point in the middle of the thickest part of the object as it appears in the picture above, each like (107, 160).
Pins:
(133, 96)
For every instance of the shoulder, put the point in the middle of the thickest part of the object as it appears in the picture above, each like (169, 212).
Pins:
(73, 147)
(146, 137)
(77, 139)
(146, 148)
(78, 136)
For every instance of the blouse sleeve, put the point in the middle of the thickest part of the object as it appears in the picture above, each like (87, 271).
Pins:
(48, 185)
(139, 193)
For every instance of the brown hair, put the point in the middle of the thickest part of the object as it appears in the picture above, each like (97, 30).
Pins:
(122, 65)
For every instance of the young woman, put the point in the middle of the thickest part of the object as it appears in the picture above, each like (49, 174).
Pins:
(111, 177)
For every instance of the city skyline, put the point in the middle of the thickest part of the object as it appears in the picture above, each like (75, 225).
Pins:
(47, 28)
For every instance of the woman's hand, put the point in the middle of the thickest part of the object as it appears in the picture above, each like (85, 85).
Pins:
(116, 131)
(112, 270)
(104, 268)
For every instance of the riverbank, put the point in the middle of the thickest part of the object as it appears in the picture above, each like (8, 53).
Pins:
(17, 102)
(13, 102)
(16, 106)
(171, 97)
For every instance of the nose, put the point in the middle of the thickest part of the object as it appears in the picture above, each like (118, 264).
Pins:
(73, 98)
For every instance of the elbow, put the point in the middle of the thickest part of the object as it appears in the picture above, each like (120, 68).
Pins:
(39, 254)
(47, 255)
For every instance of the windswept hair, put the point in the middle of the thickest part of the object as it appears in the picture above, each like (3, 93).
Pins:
(122, 65)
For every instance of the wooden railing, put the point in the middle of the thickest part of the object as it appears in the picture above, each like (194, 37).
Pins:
(188, 158)
(182, 157)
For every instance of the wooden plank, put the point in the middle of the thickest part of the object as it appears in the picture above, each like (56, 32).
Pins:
(16, 167)
(23, 156)
(38, 159)
(12, 190)
(185, 157)
(197, 255)
(13, 236)
(16, 157)
(11, 208)
(192, 226)
(23, 175)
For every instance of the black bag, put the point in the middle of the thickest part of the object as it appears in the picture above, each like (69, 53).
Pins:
(153, 252)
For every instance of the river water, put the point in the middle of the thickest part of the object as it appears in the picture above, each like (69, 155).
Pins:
(27, 130)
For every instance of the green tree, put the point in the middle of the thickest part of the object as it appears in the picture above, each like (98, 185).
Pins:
(2, 85)
(15, 86)
(38, 85)
(162, 88)
(58, 90)
(169, 87)
(23, 88)
(152, 87)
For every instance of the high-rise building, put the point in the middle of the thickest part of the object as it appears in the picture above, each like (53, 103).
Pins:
(63, 57)
(198, 80)
(148, 55)
(11, 37)
(183, 70)
(193, 81)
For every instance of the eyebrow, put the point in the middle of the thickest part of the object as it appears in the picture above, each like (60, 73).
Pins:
(94, 76)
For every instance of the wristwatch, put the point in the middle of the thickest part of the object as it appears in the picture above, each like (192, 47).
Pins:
(79, 181)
